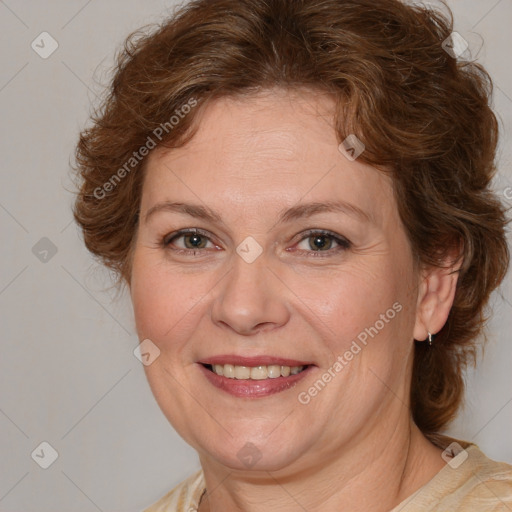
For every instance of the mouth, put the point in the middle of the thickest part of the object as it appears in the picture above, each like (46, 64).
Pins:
(254, 377)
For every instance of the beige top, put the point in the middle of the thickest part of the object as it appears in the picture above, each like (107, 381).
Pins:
(470, 482)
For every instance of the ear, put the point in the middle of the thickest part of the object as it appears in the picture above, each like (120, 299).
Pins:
(435, 298)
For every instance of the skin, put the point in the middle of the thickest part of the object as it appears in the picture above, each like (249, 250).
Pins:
(353, 447)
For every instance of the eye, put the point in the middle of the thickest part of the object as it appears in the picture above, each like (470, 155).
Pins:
(190, 240)
(314, 242)
(320, 241)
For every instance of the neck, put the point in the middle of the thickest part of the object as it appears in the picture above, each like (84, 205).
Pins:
(366, 476)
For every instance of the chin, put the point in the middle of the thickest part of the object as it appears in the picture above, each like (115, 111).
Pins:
(252, 452)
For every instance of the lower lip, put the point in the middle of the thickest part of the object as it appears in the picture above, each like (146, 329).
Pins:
(249, 388)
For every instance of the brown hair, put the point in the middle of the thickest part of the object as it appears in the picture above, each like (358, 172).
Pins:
(419, 111)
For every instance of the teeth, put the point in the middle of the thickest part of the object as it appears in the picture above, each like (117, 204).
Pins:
(274, 371)
(257, 372)
(242, 372)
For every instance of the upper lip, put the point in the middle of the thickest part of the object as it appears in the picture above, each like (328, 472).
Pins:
(253, 361)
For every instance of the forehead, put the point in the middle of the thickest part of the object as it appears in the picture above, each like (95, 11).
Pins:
(268, 149)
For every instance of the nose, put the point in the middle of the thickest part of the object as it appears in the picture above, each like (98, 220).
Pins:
(251, 298)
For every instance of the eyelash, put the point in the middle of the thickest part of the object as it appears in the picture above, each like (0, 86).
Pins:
(343, 243)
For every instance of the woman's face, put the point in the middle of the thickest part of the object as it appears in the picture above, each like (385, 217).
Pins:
(300, 256)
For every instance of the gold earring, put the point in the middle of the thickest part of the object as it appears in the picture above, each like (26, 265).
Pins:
(430, 338)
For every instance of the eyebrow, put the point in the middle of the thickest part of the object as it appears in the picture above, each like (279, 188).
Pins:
(295, 212)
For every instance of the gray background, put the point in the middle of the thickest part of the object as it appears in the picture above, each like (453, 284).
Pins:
(68, 375)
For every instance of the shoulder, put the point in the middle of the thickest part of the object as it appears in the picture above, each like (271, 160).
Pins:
(486, 484)
(469, 481)
(183, 498)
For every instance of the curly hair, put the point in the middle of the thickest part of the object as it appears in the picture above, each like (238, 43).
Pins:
(419, 111)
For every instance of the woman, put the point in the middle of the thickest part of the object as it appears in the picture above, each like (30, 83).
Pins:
(297, 195)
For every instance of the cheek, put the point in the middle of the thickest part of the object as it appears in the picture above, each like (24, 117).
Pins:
(160, 299)
(366, 304)
(168, 304)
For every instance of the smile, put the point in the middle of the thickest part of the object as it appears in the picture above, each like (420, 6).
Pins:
(254, 381)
